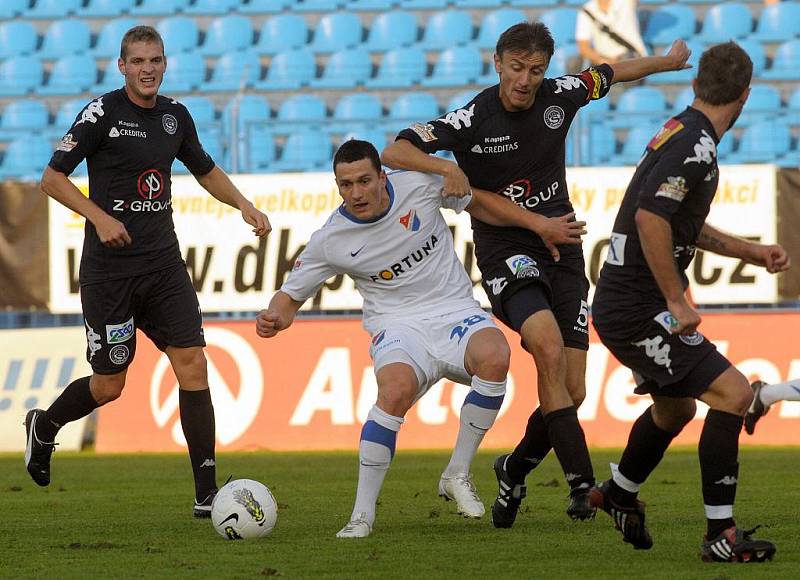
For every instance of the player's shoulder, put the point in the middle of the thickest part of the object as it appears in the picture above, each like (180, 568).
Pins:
(172, 105)
(688, 133)
(404, 185)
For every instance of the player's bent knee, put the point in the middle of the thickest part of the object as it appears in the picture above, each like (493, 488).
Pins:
(107, 388)
(548, 357)
(396, 400)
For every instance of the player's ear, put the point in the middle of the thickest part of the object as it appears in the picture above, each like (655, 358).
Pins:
(496, 63)
(121, 66)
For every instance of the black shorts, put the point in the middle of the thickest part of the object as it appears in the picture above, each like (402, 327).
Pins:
(666, 364)
(564, 284)
(161, 304)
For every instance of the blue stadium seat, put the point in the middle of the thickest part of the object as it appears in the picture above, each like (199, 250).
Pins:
(668, 23)
(559, 63)
(458, 100)
(400, 68)
(212, 142)
(633, 145)
(300, 113)
(200, 108)
(108, 41)
(793, 109)
(280, 33)
(289, 70)
(597, 111)
(22, 117)
(106, 8)
(392, 30)
(458, 66)
(336, 31)
(234, 71)
(778, 22)
(561, 22)
(111, 79)
(180, 34)
(357, 111)
(345, 69)
(680, 76)
(597, 144)
(185, 73)
(20, 75)
(495, 23)
(446, 29)
(756, 52)
(212, 7)
(409, 108)
(11, 8)
(66, 115)
(423, 4)
(786, 64)
(227, 34)
(316, 5)
(159, 7)
(533, 3)
(638, 105)
(264, 6)
(53, 9)
(682, 100)
(256, 150)
(725, 21)
(17, 38)
(763, 103)
(305, 151)
(71, 75)
(763, 142)
(479, 4)
(247, 110)
(374, 136)
(26, 158)
(65, 37)
(372, 5)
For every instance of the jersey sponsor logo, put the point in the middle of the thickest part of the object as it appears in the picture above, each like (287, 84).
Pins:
(616, 249)
(497, 284)
(656, 349)
(520, 193)
(674, 188)
(666, 321)
(117, 333)
(128, 123)
(664, 134)
(500, 139)
(405, 264)
(476, 149)
(424, 131)
(568, 83)
(119, 354)
(169, 123)
(410, 221)
(142, 205)
(502, 148)
(554, 116)
(92, 341)
(114, 132)
(459, 117)
(150, 184)
(691, 339)
(378, 338)
(92, 111)
(705, 150)
(67, 143)
(522, 266)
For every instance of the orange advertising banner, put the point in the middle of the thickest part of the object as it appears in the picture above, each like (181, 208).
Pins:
(311, 387)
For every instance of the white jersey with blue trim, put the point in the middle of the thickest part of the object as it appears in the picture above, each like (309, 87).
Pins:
(402, 262)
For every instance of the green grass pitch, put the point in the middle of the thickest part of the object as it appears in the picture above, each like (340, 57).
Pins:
(129, 516)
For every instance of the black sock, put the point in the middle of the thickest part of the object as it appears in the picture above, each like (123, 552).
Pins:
(719, 466)
(74, 402)
(197, 420)
(569, 443)
(646, 446)
(531, 450)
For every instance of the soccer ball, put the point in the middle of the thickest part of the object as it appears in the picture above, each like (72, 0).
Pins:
(244, 509)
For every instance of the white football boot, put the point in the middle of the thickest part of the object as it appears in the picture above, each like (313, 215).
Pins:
(461, 489)
(358, 527)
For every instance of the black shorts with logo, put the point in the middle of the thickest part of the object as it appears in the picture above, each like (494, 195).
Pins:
(563, 282)
(663, 363)
(163, 304)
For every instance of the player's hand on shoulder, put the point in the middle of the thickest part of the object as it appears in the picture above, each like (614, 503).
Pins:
(456, 183)
(678, 55)
(257, 219)
(686, 318)
(773, 257)
(268, 324)
(112, 232)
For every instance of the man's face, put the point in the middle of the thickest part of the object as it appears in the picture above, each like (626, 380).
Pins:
(521, 75)
(362, 188)
(143, 67)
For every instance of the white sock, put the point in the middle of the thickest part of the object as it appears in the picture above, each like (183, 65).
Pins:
(477, 416)
(375, 452)
(789, 391)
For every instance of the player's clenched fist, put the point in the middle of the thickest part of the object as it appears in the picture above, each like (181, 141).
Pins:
(268, 324)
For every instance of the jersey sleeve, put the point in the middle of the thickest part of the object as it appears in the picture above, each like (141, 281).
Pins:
(433, 185)
(310, 270)
(452, 132)
(589, 85)
(191, 153)
(82, 139)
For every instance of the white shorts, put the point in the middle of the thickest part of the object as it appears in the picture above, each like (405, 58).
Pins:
(433, 347)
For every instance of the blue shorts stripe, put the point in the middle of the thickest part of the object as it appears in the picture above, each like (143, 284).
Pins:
(376, 433)
(475, 398)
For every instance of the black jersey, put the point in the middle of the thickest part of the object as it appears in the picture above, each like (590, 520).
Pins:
(520, 155)
(129, 152)
(676, 179)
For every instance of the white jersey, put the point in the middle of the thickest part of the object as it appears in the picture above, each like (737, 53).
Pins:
(402, 262)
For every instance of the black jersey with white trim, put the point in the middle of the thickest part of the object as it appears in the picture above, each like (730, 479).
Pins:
(129, 152)
(520, 155)
(676, 179)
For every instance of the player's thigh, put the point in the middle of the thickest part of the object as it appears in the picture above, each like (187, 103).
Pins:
(407, 345)
(449, 338)
(487, 354)
(110, 325)
(570, 291)
(730, 392)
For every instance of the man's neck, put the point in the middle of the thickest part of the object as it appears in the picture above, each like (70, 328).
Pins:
(720, 116)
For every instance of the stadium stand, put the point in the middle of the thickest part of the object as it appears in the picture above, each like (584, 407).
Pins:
(17, 38)
(53, 9)
(19, 75)
(106, 8)
(180, 34)
(63, 37)
(280, 33)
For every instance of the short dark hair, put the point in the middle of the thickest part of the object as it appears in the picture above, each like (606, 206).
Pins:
(527, 37)
(356, 150)
(139, 34)
(724, 73)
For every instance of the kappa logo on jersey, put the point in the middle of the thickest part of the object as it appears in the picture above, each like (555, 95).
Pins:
(378, 338)
(674, 189)
(616, 249)
(91, 112)
(93, 341)
(497, 284)
(711, 174)
(117, 333)
(655, 349)
(425, 131)
(459, 117)
(568, 83)
(522, 266)
(415, 257)
(705, 150)
(553, 116)
(67, 143)
(150, 184)
(169, 123)
(665, 133)
(410, 221)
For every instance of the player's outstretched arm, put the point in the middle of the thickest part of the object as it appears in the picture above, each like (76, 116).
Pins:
(217, 183)
(655, 235)
(58, 186)
(633, 69)
(278, 316)
(773, 257)
(402, 154)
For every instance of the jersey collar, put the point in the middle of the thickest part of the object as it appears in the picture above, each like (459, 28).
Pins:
(377, 218)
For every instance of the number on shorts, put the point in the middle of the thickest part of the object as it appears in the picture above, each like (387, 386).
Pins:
(461, 331)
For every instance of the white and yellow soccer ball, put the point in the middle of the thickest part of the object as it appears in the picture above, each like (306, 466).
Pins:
(244, 509)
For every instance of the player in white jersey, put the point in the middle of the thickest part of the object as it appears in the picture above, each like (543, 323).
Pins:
(764, 396)
(390, 237)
